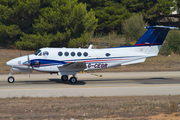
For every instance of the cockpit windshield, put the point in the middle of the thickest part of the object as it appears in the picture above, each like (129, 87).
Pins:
(37, 52)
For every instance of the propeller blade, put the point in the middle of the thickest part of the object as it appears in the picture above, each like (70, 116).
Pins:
(28, 63)
(28, 60)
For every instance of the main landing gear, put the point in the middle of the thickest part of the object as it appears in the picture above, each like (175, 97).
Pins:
(64, 77)
(72, 79)
(11, 78)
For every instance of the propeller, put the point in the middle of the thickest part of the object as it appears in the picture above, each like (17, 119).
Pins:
(28, 63)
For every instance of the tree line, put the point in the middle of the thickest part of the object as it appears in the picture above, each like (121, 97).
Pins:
(31, 24)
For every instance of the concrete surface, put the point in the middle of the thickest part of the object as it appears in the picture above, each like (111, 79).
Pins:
(92, 84)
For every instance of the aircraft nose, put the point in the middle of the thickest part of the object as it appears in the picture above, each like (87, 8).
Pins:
(9, 63)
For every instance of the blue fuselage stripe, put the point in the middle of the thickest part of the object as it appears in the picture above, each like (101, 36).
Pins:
(48, 62)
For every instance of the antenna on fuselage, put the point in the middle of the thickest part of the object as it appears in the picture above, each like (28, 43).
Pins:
(20, 53)
(90, 46)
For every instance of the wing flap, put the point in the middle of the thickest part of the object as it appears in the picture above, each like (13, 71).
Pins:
(74, 65)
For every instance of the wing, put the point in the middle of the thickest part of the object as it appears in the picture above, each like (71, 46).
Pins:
(73, 66)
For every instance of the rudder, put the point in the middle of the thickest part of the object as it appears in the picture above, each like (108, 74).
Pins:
(155, 35)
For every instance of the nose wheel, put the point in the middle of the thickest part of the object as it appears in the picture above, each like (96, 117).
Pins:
(11, 79)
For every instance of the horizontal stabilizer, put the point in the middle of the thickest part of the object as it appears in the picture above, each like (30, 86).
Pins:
(134, 61)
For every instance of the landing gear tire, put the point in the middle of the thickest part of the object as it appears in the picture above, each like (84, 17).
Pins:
(11, 79)
(64, 77)
(73, 79)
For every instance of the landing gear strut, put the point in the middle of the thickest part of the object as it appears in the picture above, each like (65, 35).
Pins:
(11, 78)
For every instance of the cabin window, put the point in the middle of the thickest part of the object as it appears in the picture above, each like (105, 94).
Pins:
(85, 54)
(66, 53)
(60, 53)
(79, 54)
(37, 52)
(108, 54)
(73, 54)
(45, 53)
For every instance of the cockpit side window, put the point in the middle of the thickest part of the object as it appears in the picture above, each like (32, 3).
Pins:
(37, 52)
(40, 54)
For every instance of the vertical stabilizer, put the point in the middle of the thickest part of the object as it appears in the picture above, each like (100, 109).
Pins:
(155, 35)
(154, 38)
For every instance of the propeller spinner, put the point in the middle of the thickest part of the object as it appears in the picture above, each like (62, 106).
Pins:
(27, 63)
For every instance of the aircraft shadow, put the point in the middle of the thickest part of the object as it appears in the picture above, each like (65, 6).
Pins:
(153, 80)
(51, 81)
(67, 82)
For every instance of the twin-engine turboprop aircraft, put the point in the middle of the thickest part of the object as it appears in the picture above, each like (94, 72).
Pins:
(68, 61)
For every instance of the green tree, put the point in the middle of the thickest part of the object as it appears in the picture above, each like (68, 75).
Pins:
(64, 21)
(173, 40)
(61, 22)
(31, 24)
(151, 9)
(165, 49)
(93, 4)
(133, 28)
(9, 34)
(110, 14)
(17, 17)
(34, 41)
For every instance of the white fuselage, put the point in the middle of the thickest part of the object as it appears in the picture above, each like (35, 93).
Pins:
(95, 59)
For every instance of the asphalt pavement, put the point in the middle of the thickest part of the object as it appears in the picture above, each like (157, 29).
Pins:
(92, 84)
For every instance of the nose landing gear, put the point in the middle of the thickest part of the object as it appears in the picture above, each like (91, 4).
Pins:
(11, 78)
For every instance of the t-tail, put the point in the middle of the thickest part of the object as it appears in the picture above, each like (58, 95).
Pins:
(154, 38)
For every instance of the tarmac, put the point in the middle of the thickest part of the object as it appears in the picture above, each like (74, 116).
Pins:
(92, 84)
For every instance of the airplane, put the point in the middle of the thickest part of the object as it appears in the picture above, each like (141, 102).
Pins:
(69, 61)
